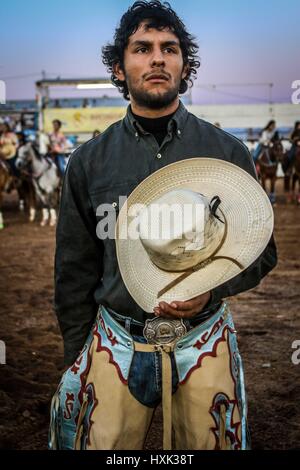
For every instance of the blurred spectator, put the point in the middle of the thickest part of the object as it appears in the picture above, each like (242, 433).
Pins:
(265, 138)
(8, 146)
(86, 103)
(250, 134)
(18, 126)
(96, 132)
(295, 140)
(295, 135)
(58, 146)
(267, 133)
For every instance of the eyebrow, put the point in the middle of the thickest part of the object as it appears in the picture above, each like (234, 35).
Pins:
(149, 43)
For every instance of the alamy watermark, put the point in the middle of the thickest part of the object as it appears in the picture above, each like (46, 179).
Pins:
(2, 92)
(296, 353)
(296, 94)
(155, 222)
(2, 352)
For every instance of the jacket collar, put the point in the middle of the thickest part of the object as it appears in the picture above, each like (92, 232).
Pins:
(178, 121)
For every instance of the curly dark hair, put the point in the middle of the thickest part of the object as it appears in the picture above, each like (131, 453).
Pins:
(160, 16)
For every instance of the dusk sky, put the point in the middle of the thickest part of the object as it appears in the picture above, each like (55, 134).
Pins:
(240, 43)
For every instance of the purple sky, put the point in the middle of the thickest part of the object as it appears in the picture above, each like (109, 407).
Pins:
(240, 43)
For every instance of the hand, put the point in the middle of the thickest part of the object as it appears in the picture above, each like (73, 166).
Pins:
(187, 309)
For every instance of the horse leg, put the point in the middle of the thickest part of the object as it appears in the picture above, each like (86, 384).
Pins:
(286, 183)
(21, 195)
(21, 199)
(32, 214)
(45, 216)
(272, 193)
(298, 195)
(294, 182)
(1, 216)
(3, 182)
(287, 188)
(53, 217)
(31, 203)
(53, 202)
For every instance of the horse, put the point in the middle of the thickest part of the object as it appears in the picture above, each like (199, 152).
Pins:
(296, 174)
(45, 179)
(268, 162)
(5, 180)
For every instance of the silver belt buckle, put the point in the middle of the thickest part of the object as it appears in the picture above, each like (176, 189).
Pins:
(163, 331)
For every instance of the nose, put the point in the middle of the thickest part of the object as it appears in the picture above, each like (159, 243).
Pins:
(157, 59)
(18, 164)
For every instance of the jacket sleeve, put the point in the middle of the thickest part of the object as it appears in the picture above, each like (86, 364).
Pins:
(252, 276)
(78, 261)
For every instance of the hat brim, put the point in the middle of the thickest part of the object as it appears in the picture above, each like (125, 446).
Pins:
(249, 218)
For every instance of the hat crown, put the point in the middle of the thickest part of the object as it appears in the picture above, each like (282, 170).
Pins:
(179, 231)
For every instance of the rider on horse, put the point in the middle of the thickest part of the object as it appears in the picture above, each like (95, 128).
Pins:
(58, 146)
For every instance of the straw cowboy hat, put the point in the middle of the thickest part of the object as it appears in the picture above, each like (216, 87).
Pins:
(8, 151)
(188, 228)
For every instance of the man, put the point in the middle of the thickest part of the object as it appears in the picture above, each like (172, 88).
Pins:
(151, 62)
(58, 146)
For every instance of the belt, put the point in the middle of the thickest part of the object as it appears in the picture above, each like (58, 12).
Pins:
(135, 327)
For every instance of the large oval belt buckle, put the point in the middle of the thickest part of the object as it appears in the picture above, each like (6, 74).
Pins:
(163, 331)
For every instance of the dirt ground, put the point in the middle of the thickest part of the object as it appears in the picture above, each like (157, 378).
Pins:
(267, 319)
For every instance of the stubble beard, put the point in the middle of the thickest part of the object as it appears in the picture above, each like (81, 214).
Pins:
(147, 99)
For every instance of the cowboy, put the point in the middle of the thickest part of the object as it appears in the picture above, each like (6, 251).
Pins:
(144, 321)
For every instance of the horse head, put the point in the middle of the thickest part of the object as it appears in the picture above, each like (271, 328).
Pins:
(277, 152)
(24, 156)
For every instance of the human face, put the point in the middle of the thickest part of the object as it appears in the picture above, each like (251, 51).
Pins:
(153, 70)
(56, 126)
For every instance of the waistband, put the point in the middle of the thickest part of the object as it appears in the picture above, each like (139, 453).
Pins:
(136, 327)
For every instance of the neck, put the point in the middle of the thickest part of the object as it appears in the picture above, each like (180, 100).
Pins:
(153, 113)
(38, 166)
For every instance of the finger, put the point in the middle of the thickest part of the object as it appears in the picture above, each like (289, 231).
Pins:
(196, 303)
(184, 305)
(167, 309)
(169, 312)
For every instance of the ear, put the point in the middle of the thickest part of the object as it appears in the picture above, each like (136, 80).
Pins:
(185, 71)
(119, 73)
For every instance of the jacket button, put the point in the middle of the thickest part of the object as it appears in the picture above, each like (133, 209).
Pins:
(128, 343)
(158, 155)
(179, 346)
(114, 204)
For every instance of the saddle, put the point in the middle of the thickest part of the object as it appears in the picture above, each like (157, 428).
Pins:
(10, 181)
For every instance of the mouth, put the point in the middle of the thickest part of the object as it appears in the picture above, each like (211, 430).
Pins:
(157, 78)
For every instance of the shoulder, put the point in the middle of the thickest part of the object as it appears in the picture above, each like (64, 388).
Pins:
(218, 134)
(89, 152)
(233, 149)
